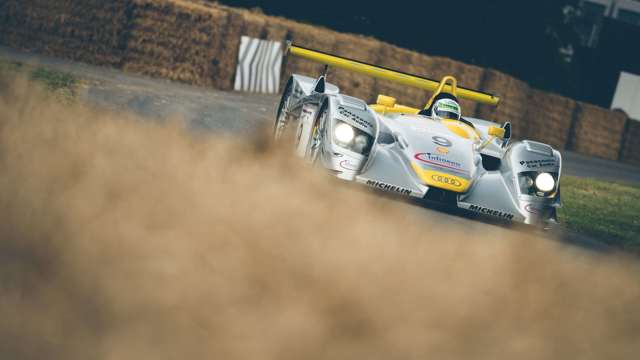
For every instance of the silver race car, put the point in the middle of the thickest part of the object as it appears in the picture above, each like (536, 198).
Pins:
(432, 153)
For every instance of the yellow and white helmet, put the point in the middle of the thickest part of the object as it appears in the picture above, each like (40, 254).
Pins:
(446, 109)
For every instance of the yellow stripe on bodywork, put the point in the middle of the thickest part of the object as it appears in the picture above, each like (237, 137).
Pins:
(441, 180)
(391, 75)
(461, 129)
(396, 109)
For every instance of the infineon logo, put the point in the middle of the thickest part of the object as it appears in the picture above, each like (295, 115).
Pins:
(388, 187)
(486, 211)
(438, 160)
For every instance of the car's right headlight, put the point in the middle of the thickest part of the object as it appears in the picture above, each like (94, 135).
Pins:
(536, 183)
(545, 182)
(344, 133)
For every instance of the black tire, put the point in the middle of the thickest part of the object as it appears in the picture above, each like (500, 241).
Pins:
(318, 128)
(284, 102)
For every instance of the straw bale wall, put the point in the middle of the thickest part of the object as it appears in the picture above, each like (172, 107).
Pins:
(364, 49)
(598, 131)
(176, 41)
(91, 31)
(548, 118)
(514, 101)
(631, 149)
(404, 60)
(311, 37)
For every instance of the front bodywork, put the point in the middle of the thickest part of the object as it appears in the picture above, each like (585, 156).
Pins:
(414, 155)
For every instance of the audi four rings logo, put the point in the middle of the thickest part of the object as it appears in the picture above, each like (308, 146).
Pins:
(446, 180)
(442, 141)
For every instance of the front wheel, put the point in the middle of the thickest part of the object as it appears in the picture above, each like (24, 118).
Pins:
(282, 115)
(318, 130)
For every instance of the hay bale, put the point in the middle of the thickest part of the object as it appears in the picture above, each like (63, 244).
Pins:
(228, 57)
(598, 131)
(514, 101)
(362, 49)
(548, 118)
(631, 149)
(411, 62)
(276, 29)
(311, 37)
(92, 31)
(176, 40)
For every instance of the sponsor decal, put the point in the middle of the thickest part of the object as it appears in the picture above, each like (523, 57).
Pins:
(354, 117)
(442, 150)
(442, 141)
(487, 211)
(347, 165)
(532, 164)
(388, 187)
(446, 180)
(533, 210)
(437, 160)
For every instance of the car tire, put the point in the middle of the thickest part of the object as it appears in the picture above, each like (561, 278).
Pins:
(281, 115)
(315, 145)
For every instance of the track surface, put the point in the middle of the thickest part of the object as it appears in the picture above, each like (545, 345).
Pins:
(242, 114)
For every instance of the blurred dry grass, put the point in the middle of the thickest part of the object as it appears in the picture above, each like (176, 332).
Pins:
(124, 239)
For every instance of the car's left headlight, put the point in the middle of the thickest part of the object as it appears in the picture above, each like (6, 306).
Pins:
(545, 182)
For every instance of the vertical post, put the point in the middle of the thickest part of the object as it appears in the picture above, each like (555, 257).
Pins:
(571, 133)
(624, 138)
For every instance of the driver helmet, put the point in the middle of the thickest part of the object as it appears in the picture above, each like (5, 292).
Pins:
(446, 109)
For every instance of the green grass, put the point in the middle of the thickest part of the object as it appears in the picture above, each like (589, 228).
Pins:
(54, 80)
(61, 84)
(10, 66)
(609, 211)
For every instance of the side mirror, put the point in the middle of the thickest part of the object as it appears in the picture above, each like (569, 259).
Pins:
(319, 86)
(507, 133)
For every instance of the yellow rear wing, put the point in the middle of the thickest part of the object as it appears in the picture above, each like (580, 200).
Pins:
(389, 74)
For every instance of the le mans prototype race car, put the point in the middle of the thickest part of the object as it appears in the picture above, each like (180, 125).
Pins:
(465, 162)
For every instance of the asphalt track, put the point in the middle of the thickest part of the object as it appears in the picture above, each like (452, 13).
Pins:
(242, 114)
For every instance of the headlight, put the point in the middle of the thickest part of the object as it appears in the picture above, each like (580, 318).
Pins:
(360, 143)
(352, 138)
(344, 133)
(541, 184)
(545, 182)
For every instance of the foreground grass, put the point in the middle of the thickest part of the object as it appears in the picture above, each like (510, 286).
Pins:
(63, 85)
(606, 210)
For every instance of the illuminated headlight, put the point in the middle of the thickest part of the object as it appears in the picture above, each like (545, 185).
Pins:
(545, 182)
(344, 133)
(352, 138)
(542, 184)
